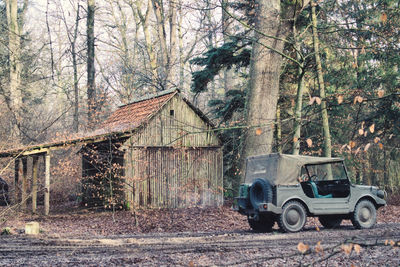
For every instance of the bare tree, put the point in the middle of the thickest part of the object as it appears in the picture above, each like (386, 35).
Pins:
(14, 46)
(91, 85)
(321, 84)
(271, 30)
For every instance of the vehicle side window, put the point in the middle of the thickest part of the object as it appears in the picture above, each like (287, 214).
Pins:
(326, 172)
(303, 175)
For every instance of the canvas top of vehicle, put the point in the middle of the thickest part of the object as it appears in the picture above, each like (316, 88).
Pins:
(288, 188)
(280, 169)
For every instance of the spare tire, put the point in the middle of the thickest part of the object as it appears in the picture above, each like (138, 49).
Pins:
(260, 192)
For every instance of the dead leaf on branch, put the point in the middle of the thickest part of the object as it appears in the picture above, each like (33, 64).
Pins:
(381, 93)
(384, 17)
(303, 248)
(357, 249)
(358, 99)
(340, 99)
(363, 50)
(315, 99)
(352, 144)
(319, 248)
(367, 147)
(309, 142)
(347, 248)
(372, 128)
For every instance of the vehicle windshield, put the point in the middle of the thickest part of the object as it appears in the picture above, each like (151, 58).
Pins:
(326, 172)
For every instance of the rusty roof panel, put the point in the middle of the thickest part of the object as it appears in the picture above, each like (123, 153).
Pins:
(135, 114)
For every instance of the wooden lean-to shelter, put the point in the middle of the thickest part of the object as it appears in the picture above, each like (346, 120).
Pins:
(157, 152)
(170, 158)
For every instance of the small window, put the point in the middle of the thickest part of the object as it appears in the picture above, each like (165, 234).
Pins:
(172, 112)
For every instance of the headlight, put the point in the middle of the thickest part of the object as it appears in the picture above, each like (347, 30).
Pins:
(380, 194)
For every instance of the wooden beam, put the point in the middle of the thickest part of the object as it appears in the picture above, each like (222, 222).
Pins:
(16, 180)
(35, 161)
(47, 185)
(24, 193)
(39, 151)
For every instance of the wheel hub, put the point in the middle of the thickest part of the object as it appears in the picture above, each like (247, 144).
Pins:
(292, 217)
(365, 214)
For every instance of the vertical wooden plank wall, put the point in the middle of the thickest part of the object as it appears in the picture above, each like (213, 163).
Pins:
(183, 129)
(175, 177)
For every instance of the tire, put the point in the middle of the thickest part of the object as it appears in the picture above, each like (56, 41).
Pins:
(260, 192)
(263, 225)
(293, 217)
(364, 215)
(330, 221)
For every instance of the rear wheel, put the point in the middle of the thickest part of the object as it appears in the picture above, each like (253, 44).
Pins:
(293, 217)
(262, 225)
(364, 215)
(330, 221)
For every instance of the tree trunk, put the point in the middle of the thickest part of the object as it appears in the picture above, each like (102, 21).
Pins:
(264, 79)
(210, 43)
(162, 37)
(299, 96)
(278, 130)
(91, 86)
(297, 111)
(173, 44)
(181, 49)
(324, 112)
(14, 48)
(75, 69)
(144, 21)
(227, 31)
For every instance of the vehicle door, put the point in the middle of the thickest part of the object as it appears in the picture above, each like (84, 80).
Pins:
(332, 186)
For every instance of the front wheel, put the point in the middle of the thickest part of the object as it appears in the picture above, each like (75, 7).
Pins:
(262, 225)
(364, 216)
(293, 217)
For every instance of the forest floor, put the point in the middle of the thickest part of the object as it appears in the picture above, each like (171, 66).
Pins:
(193, 237)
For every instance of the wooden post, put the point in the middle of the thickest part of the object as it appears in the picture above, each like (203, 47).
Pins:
(47, 184)
(16, 180)
(35, 161)
(24, 194)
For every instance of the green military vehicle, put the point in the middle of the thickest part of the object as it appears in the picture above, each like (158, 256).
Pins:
(288, 188)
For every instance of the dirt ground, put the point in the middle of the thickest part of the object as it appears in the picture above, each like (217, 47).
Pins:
(193, 237)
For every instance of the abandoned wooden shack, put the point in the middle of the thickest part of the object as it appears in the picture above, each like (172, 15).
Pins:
(171, 157)
(157, 152)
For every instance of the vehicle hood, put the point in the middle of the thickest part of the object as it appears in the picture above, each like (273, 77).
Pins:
(366, 187)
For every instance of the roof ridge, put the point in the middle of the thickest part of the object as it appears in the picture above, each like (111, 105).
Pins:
(151, 96)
